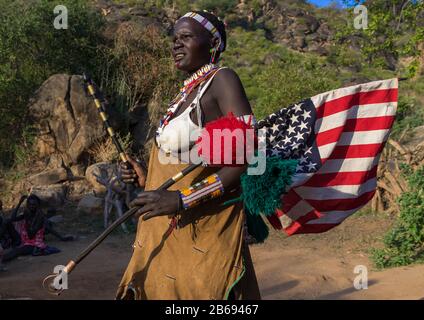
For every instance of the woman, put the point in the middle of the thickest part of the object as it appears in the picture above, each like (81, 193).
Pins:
(205, 257)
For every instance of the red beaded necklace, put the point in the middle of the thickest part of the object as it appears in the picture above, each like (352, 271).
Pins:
(189, 85)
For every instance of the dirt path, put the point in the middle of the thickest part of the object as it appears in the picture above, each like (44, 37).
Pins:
(300, 267)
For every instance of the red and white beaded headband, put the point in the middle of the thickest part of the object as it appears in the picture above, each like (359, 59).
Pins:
(207, 24)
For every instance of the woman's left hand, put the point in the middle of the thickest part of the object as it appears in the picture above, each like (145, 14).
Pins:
(156, 203)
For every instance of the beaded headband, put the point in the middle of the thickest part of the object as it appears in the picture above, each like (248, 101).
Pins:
(207, 24)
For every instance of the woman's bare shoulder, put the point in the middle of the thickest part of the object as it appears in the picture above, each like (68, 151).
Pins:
(229, 92)
(225, 79)
(227, 75)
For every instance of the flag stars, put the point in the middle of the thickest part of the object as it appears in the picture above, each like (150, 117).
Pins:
(296, 153)
(311, 166)
(291, 130)
(298, 107)
(302, 126)
(286, 153)
(299, 136)
(274, 128)
(287, 140)
(303, 159)
(308, 151)
(299, 168)
(306, 114)
(294, 118)
(295, 146)
(275, 152)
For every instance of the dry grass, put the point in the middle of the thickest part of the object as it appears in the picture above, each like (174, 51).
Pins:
(391, 182)
(105, 150)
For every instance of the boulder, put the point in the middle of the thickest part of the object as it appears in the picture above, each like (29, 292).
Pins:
(101, 169)
(52, 195)
(66, 119)
(91, 204)
(49, 177)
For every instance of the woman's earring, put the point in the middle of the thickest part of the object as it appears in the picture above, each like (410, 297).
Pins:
(213, 51)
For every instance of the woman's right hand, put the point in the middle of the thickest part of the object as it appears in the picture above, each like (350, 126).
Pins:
(135, 174)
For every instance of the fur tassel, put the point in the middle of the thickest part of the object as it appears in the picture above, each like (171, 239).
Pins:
(261, 193)
(227, 155)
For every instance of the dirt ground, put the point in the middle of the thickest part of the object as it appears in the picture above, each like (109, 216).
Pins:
(299, 267)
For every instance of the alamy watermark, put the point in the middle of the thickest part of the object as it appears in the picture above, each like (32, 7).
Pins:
(60, 282)
(361, 19)
(361, 280)
(61, 20)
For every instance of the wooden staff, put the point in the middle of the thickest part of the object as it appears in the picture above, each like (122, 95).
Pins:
(102, 112)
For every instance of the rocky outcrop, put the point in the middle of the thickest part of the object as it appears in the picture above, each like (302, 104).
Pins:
(301, 31)
(293, 26)
(66, 119)
(67, 124)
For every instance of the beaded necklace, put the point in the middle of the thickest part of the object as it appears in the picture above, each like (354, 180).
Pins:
(189, 85)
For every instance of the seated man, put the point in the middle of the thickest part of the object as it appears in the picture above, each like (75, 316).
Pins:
(27, 233)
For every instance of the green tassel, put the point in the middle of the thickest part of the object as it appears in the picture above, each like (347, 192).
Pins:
(261, 193)
(231, 201)
(256, 227)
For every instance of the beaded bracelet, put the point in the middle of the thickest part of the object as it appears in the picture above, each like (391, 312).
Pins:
(209, 188)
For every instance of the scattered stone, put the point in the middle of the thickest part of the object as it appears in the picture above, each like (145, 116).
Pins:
(91, 204)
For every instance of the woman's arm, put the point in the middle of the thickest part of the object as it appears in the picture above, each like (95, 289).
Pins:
(230, 96)
(13, 217)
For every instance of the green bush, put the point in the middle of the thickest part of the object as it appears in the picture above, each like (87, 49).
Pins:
(393, 31)
(408, 116)
(404, 244)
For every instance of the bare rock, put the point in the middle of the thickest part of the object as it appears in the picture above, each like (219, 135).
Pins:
(66, 119)
(311, 23)
(52, 195)
(102, 170)
(78, 188)
(49, 177)
(90, 204)
(78, 171)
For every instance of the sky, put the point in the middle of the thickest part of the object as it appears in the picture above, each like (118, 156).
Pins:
(323, 3)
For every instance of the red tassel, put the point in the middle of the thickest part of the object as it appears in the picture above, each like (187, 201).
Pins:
(238, 129)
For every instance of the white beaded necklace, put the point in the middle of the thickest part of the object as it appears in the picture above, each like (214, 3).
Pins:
(198, 73)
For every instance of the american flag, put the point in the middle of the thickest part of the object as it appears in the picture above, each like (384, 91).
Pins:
(337, 138)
